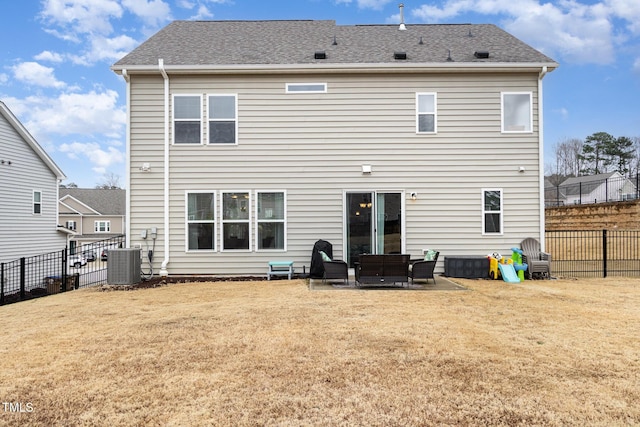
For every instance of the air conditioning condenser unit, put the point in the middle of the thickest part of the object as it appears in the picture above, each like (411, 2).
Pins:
(123, 267)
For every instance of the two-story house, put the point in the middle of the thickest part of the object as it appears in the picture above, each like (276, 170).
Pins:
(29, 181)
(250, 140)
(93, 214)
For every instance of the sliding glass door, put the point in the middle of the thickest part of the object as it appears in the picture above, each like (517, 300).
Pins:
(373, 224)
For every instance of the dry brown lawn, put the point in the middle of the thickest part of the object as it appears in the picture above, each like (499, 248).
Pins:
(555, 353)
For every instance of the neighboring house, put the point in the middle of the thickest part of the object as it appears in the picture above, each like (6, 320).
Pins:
(604, 187)
(93, 214)
(29, 182)
(250, 140)
(554, 195)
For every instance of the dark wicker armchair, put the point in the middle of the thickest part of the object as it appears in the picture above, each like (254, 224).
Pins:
(334, 270)
(421, 269)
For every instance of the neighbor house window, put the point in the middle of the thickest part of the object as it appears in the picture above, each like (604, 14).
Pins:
(187, 119)
(517, 113)
(201, 221)
(426, 113)
(37, 202)
(102, 226)
(71, 225)
(270, 221)
(306, 87)
(222, 119)
(492, 211)
(235, 220)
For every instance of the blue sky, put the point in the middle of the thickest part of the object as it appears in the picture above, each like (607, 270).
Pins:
(55, 57)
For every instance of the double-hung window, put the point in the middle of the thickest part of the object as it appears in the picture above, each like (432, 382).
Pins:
(270, 223)
(102, 226)
(235, 221)
(426, 113)
(517, 112)
(223, 124)
(37, 202)
(187, 119)
(492, 211)
(201, 221)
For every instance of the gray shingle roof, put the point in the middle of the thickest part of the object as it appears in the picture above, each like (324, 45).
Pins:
(106, 202)
(220, 43)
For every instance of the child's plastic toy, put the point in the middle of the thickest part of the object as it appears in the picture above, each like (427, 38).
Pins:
(518, 265)
(509, 273)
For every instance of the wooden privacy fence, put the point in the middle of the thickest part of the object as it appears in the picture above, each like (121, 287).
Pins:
(594, 253)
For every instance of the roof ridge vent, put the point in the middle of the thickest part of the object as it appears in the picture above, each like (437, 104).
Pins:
(402, 26)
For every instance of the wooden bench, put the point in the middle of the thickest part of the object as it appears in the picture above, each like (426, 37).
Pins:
(280, 268)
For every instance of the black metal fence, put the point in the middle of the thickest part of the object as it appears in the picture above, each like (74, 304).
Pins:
(588, 190)
(60, 271)
(594, 253)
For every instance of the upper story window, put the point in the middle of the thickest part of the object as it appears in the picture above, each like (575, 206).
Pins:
(492, 211)
(306, 88)
(517, 113)
(37, 202)
(426, 113)
(201, 221)
(102, 226)
(223, 124)
(187, 119)
(71, 225)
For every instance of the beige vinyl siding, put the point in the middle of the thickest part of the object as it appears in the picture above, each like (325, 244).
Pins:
(21, 232)
(313, 146)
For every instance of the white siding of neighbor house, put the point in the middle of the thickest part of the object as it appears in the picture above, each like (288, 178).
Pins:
(23, 234)
(313, 147)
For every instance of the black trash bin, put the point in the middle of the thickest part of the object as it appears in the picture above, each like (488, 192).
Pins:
(316, 271)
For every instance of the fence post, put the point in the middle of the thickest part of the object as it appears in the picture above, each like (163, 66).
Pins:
(2, 284)
(22, 277)
(604, 252)
(63, 276)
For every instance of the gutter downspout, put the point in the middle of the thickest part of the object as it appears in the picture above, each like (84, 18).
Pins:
(127, 225)
(163, 268)
(541, 75)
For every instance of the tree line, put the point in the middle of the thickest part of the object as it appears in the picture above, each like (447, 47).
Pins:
(596, 154)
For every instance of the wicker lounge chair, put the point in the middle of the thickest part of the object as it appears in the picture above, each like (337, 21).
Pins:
(336, 269)
(422, 269)
(538, 262)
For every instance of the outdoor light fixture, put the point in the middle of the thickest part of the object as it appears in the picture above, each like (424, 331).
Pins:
(521, 169)
(414, 196)
(146, 167)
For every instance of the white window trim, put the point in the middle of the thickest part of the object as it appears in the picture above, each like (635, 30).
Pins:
(501, 212)
(71, 225)
(258, 221)
(107, 224)
(208, 120)
(173, 120)
(289, 86)
(34, 203)
(187, 221)
(502, 95)
(248, 221)
(435, 112)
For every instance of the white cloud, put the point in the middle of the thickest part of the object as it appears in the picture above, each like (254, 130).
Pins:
(82, 16)
(48, 56)
(87, 114)
(636, 66)
(105, 49)
(580, 33)
(99, 157)
(35, 74)
(366, 4)
(152, 12)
